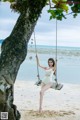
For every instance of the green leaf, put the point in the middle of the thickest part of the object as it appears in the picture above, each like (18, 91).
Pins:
(75, 15)
(9, 1)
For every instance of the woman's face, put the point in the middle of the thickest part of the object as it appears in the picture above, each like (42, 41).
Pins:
(50, 63)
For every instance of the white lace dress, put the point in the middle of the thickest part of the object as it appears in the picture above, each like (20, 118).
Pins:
(49, 76)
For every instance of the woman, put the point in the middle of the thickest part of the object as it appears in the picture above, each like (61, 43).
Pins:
(47, 81)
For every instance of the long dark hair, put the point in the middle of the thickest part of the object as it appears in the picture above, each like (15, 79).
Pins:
(51, 59)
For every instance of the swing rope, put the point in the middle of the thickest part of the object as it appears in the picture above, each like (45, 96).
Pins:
(55, 45)
(38, 75)
(56, 53)
(58, 86)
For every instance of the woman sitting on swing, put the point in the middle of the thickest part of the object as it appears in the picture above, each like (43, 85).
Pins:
(47, 82)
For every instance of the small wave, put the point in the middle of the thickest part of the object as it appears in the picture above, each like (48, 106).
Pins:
(60, 52)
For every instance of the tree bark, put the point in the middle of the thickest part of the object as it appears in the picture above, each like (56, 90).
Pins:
(13, 53)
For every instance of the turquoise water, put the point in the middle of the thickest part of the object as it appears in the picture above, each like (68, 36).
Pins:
(68, 63)
(59, 47)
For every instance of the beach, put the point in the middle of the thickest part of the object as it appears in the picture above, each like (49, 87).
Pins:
(57, 105)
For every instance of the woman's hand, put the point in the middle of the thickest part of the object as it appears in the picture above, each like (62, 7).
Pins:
(39, 63)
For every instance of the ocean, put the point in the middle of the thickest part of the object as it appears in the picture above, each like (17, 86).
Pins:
(68, 64)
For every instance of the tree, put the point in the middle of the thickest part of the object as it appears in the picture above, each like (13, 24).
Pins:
(14, 47)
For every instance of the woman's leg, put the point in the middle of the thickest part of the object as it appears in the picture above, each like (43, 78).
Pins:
(43, 89)
(41, 96)
(42, 85)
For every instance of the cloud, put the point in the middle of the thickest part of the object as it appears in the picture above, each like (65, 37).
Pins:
(6, 12)
(7, 24)
(72, 34)
(7, 20)
(66, 37)
(4, 33)
(68, 30)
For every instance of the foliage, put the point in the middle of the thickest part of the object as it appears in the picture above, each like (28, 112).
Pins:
(9, 0)
(31, 7)
(58, 11)
(61, 8)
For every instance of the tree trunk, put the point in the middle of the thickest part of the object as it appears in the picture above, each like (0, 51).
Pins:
(13, 53)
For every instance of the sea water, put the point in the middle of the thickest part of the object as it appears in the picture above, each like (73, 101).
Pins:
(68, 64)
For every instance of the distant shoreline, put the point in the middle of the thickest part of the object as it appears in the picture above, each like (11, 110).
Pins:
(68, 47)
(74, 47)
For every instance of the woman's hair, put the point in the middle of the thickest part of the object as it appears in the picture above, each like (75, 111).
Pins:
(51, 59)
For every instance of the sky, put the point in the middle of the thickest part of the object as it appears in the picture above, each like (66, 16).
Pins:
(45, 30)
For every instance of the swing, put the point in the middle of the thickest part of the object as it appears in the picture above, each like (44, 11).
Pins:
(56, 85)
(39, 80)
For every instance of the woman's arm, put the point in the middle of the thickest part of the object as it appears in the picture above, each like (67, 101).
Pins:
(39, 63)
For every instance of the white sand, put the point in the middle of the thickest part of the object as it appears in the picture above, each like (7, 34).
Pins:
(62, 105)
